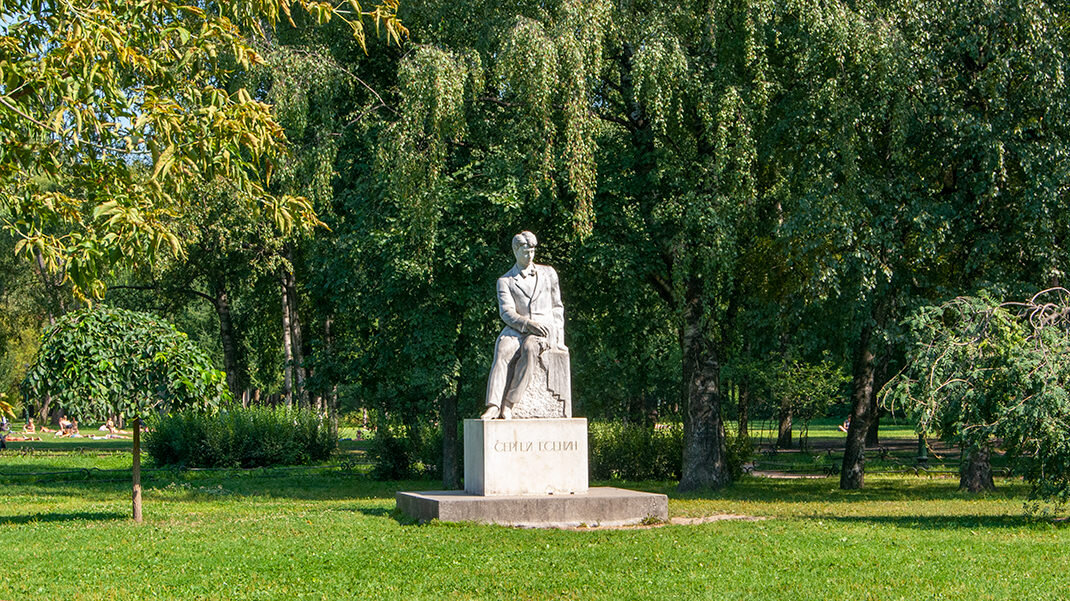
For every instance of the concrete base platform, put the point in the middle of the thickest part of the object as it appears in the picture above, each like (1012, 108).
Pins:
(601, 506)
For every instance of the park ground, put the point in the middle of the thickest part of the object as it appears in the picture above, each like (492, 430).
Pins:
(330, 532)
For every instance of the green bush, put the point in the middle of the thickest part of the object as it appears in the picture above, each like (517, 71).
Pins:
(403, 452)
(623, 451)
(739, 452)
(254, 437)
(646, 452)
(617, 451)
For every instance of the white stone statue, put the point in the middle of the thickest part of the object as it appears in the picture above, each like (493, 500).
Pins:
(530, 375)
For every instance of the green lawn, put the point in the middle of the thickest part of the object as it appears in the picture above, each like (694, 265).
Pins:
(330, 534)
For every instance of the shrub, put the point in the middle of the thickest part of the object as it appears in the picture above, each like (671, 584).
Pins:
(617, 450)
(739, 453)
(647, 452)
(254, 437)
(403, 452)
(625, 451)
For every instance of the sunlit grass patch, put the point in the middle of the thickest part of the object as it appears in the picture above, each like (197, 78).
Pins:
(333, 534)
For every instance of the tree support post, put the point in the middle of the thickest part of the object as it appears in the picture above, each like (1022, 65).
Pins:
(137, 469)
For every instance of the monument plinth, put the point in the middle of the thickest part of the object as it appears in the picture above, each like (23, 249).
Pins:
(525, 459)
(525, 456)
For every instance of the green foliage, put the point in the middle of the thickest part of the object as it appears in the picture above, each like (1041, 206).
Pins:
(128, 106)
(253, 437)
(629, 451)
(982, 372)
(101, 362)
(787, 383)
(26, 299)
(762, 176)
(739, 450)
(403, 452)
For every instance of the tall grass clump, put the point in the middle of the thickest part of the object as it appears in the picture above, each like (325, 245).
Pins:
(253, 437)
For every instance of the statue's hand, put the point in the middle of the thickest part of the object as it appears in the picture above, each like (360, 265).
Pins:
(538, 329)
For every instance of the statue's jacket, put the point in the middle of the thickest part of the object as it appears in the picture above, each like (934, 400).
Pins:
(521, 302)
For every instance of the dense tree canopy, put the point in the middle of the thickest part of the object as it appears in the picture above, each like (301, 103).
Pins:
(103, 362)
(728, 188)
(123, 108)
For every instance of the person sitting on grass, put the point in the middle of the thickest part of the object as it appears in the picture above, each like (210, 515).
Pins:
(27, 431)
(73, 430)
(64, 427)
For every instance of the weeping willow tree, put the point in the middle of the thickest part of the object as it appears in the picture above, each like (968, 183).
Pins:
(492, 134)
(656, 142)
(517, 115)
(983, 374)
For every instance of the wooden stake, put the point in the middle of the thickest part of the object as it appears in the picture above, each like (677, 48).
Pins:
(137, 469)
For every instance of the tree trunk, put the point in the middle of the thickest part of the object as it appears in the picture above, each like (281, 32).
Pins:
(880, 378)
(50, 288)
(744, 407)
(53, 287)
(783, 438)
(298, 349)
(46, 405)
(975, 473)
(852, 473)
(136, 471)
(451, 474)
(230, 344)
(873, 432)
(287, 343)
(58, 413)
(704, 460)
(332, 395)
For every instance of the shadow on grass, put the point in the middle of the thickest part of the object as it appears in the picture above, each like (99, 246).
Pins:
(950, 522)
(77, 516)
(375, 512)
(827, 490)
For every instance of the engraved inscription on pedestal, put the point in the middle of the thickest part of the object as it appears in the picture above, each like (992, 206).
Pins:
(525, 457)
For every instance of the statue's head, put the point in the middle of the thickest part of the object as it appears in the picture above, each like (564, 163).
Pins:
(524, 245)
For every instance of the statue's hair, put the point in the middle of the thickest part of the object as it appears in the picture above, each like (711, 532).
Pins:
(524, 238)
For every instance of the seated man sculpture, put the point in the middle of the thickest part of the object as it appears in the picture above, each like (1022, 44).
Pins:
(530, 374)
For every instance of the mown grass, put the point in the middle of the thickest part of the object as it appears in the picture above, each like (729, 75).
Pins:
(826, 429)
(331, 534)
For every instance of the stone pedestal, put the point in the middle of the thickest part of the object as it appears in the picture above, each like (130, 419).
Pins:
(525, 457)
(531, 472)
(600, 506)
